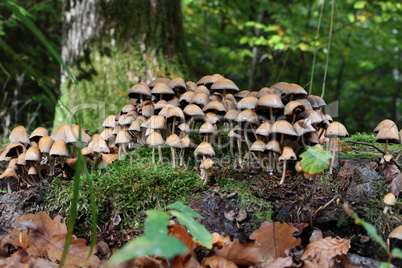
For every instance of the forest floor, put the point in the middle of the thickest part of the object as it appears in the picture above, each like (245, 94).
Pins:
(237, 200)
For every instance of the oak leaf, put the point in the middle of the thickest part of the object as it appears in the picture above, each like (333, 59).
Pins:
(240, 254)
(217, 262)
(278, 263)
(274, 239)
(325, 249)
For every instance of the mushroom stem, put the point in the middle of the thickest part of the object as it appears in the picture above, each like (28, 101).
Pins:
(96, 156)
(119, 152)
(398, 156)
(386, 209)
(153, 154)
(293, 119)
(283, 173)
(174, 156)
(9, 185)
(386, 146)
(38, 170)
(239, 147)
(22, 245)
(26, 239)
(261, 163)
(333, 156)
(249, 148)
(271, 114)
(51, 166)
(174, 124)
(160, 154)
(282, 138)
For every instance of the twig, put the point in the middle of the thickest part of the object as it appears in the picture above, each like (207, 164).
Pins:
(326, 205)
(378, 149)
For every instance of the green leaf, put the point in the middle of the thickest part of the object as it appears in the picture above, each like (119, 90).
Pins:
(243, 40)
(385, 265)
(351, 17)
(397, 252)
(197, 230)
(184, 209)
(162, 245)
(156, 223)
(315, 160)
(359, 4)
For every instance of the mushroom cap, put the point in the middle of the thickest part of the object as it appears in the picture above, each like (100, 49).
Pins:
(59, 148)
(274, 146)
(206, 128)
(123, 137)
(127, 108)
(148, 110)
(313, 117)
(294, 107)
(216, 97)
(26, 224)
(316, 101)
(247, 103)
(45, 143)
(293, 89)
(19, 134)
(248, 116)
(204, 149)
(159, 105)
(38, 133)
(193, 110)
(14, 161)
(388, 133)
(233, 134)
(287, 154)
(155, 122)
(280, 85)
(33, 154)
(162, 88)
(242, 94)
(264, 129)
(106, 133)
(203, 80)
(184, 127)
(21, 160)
(14, 148)
(3, 157)
(110, 121)
(86, 151)
(263, 91)
(136, 125)
(186, 97)
(99, 146)
(155, 139)
(229, 104)
(203, 89)
(211, 118)
(186, 142)
(165, 109)
(149, 132)
(383, 123)
(191, 85)
(336, 129)
(283, 127)
(201, 99)
(207, 163)
(175, 112)
(9, 173)
(77, 134)
(61, 132)
(173, 141)
(270, 101)
(128, 120)
(329, 118)
(153, 83)
(302, 127)
(306, 103)
(213, 106)
(32, 171)
(386, 158)
(209, 80)
(396, 233)
(252, 94)
(231, 115)
(139, 89)
(258, 146)
(174, 101)
(389, 199)
(224, 84)
(311, 137)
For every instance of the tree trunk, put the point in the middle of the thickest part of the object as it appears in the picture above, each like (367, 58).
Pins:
(111, 46)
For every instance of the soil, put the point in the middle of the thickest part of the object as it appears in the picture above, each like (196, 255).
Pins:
(316, 202)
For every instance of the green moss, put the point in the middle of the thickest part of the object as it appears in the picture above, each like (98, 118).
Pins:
(130, 187)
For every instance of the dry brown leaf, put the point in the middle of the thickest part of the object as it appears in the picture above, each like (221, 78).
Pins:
(220, 240)
(181, 233)
(109, 158)
(278, 263)
(273, 239)
(187, 261)
(77, 252)
(217, 262)
(240, 254)
(320, 263)
(326, 248)
(39, 238)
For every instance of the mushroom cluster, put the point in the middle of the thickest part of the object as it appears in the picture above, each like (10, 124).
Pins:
(387, 132)
(270, 126)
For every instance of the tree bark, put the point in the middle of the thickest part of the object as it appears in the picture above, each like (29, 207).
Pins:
(112, 45)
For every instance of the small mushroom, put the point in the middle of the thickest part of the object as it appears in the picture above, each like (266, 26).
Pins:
(389, 201)
(7, 174)
(287, 154)
(27, 225)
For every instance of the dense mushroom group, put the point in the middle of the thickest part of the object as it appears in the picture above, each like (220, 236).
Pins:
(271, 127)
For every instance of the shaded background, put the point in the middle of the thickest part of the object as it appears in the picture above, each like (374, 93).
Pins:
(112, 45)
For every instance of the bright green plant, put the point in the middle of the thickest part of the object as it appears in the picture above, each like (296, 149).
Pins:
(315, 160)
(156, 240)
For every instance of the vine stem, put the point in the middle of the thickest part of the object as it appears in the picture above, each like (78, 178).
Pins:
(329, 48)
(315, 49)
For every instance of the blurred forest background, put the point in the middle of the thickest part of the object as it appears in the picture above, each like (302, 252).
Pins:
(112, 45)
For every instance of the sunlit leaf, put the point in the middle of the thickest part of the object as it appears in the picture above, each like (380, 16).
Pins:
(315, 160)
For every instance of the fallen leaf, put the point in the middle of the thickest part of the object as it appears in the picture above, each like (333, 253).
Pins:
(109, 158)
(145, 261)
(273, 239)
(325, 249)
(77, 252)
(240, 254)
(217, 262)
(278, 263)
(220, 240)
(299, 227)
(187, 260)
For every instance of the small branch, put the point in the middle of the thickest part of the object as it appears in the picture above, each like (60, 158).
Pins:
(378, 149)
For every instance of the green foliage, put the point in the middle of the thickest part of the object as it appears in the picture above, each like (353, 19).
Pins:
(130, 186)
(156, 240)
(315, 160)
